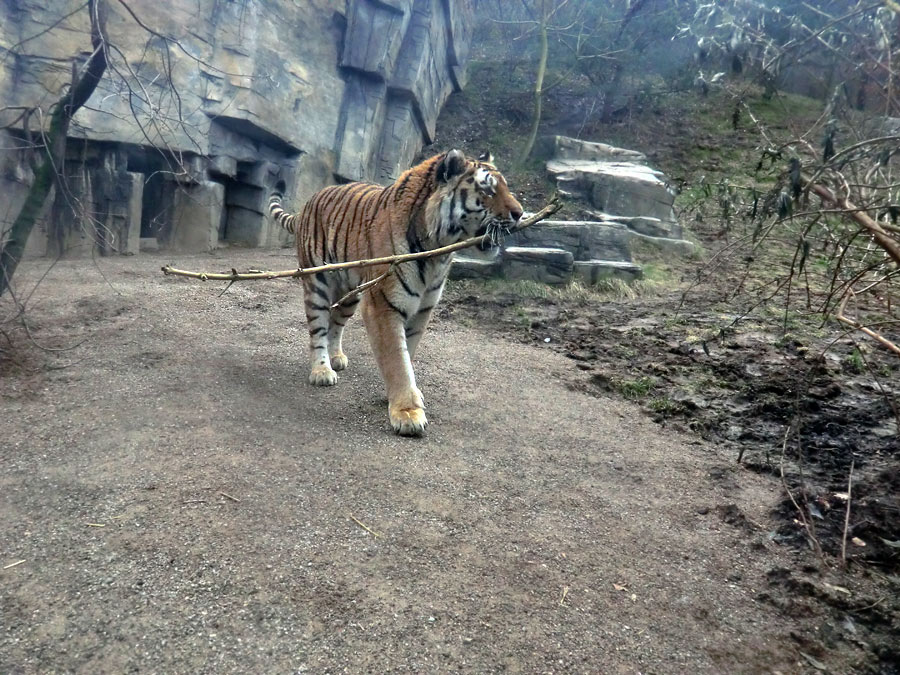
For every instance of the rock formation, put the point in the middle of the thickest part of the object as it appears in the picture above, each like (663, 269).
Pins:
(195, 121)
(630, 205)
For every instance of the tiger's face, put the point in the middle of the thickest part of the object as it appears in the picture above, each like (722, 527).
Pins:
(474, 199)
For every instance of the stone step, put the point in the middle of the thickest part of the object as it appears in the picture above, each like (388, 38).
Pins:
(464, 267)
(593, 271)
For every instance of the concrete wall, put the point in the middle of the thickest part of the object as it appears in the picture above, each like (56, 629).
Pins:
(310, 92)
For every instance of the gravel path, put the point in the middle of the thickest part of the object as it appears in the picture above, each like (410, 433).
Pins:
(184, 502)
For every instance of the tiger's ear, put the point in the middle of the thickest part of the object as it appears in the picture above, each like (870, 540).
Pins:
(486, 156)
(453, 164)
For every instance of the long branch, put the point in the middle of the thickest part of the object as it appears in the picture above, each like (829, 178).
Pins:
(552, 207)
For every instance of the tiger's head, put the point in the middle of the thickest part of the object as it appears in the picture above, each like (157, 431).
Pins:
(471, 199)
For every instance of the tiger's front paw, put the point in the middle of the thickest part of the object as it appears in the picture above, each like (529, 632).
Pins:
(322, 376)
(408, 421)
(339, 361)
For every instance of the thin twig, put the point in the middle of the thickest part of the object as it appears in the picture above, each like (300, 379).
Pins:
(552, 207)
(847, 517)
(234, 499)
(363, 287)
(13, 564)
(803, 519)
(364, 526)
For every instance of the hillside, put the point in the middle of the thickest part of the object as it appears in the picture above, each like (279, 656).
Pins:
(699, 344)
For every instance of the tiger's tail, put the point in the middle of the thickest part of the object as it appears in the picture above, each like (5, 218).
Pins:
(287, 220)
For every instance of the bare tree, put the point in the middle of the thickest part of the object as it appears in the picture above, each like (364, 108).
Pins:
(52, 145)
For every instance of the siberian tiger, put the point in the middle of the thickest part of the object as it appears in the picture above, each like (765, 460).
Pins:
(443, 200)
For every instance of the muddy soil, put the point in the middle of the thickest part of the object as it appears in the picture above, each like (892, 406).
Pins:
(175, 498)
(802, 407)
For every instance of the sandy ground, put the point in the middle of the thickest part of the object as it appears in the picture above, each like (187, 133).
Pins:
(184, 502)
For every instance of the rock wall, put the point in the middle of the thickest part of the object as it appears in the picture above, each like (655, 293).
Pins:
(190, 128)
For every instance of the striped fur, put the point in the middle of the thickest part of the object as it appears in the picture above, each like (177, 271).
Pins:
(444, 199)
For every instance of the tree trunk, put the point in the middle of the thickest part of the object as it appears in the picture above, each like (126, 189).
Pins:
(55, 147)
(538, 93)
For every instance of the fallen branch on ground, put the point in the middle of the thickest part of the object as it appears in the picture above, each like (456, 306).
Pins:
(840, 316)
(552, 207)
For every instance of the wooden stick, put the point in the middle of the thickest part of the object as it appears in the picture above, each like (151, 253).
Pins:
(858, 326)
(552, 207)
(363, 287)
(847, 517)
(13, 564)
(234, 499)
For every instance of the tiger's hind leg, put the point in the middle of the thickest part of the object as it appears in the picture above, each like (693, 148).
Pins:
(318, 320)
(338, 320)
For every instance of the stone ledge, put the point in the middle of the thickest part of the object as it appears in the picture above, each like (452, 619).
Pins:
(546, 265)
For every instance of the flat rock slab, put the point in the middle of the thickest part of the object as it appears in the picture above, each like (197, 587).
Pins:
(620, 188)
(652, 227)
(584, 239)
(566, 147)
(547, 265)
(464, 267)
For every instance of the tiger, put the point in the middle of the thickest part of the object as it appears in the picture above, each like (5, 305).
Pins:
(440, 201)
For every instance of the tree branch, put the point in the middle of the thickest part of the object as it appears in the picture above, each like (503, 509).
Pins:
(552, 207)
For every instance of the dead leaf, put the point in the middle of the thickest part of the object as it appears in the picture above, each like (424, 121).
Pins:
(620, 588)
(892, 544)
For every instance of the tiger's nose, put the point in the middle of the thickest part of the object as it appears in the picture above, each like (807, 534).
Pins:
(515, 214)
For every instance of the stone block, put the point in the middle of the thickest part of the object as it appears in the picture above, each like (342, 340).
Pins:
(247, 197)
(223, 166)
(583, 239)
(464, 267)
(401, 139)
(133, 208)
(197, 213)
(245, 227)
(360, 127)
(545, 265)
(652, 227)
(619, 188)
(149, 245)
(375, 31)
(423, 72)
(592, 271)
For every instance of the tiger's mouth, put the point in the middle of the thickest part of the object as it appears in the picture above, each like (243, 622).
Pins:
(487, 244)
(496, 229)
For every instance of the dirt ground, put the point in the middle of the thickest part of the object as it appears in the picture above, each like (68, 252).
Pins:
(182, 501)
